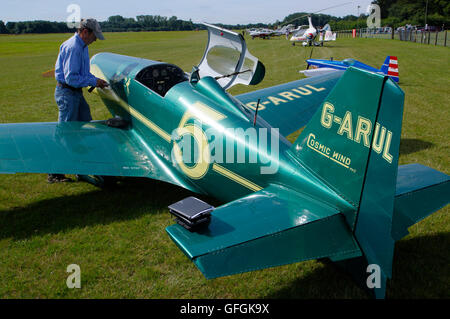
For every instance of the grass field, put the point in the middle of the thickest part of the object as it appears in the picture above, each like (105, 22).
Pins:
(117, 236)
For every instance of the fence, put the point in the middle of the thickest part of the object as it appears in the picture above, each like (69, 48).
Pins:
(418, 36)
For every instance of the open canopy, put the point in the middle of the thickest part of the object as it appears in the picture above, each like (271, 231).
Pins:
(228, 60)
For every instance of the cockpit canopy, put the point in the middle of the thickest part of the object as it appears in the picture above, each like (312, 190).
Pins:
(227, 59)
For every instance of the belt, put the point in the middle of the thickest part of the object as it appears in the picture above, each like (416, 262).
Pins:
(66, 86)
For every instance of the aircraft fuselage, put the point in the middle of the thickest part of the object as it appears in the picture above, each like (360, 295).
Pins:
(202, 132)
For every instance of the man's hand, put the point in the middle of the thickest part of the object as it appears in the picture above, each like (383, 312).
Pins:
(101, 84)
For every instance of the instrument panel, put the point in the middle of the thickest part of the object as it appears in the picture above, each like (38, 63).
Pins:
(160, 78)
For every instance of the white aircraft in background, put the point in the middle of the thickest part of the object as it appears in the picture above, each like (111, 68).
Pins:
(260, 33)
(308, 33)
(267, 33)
(286, 30)
(326, 34)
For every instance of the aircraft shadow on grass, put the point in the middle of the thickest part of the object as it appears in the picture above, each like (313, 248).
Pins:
(130, 199)
(423, 280)
(412, 145)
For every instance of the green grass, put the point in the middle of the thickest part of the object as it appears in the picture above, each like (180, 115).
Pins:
(117, 236)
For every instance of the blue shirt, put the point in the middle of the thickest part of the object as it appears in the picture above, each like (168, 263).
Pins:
(73, 66)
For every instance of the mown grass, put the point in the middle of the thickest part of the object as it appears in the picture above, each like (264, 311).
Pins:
(117, 236)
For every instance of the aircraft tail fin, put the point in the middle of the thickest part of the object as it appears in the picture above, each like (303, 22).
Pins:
(333, 36)
(360, 118)
(390, 67)
(352, 144)
(326, 27)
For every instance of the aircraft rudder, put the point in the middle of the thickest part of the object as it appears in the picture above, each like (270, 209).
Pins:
(390, 67)
(373, 222)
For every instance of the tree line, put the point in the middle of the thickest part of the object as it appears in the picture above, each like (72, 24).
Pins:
(394, 13)
(118, 23)
(401, 12)
(115, 23)
(33, 27)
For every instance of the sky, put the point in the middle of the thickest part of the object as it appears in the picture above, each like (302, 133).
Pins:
(212, 11)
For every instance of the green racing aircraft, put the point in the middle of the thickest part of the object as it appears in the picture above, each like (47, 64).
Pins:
(337, 192)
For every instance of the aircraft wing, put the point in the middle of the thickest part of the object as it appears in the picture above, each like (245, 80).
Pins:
(80, 148)
(262, 229)
(290, 106)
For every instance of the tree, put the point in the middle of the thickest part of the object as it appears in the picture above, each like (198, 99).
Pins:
(414, 11)
(116, 20)
(384, 6)
(3, 29)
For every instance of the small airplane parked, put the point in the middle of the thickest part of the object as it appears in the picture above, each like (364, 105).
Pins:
(285, 30)
(319, 67)
(263, 33)
(337, 192)
(267, 33)
(308, 33)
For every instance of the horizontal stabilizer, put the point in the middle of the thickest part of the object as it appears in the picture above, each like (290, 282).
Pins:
(420, 191)
(290, 106)
(317, 71)
(272, 227)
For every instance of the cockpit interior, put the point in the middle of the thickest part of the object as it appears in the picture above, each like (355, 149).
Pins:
(161, 77)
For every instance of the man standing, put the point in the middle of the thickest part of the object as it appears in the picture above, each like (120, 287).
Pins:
(72, 73)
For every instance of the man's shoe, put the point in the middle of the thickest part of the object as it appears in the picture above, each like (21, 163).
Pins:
(51, 178)
(58, 178)
(63, 179)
